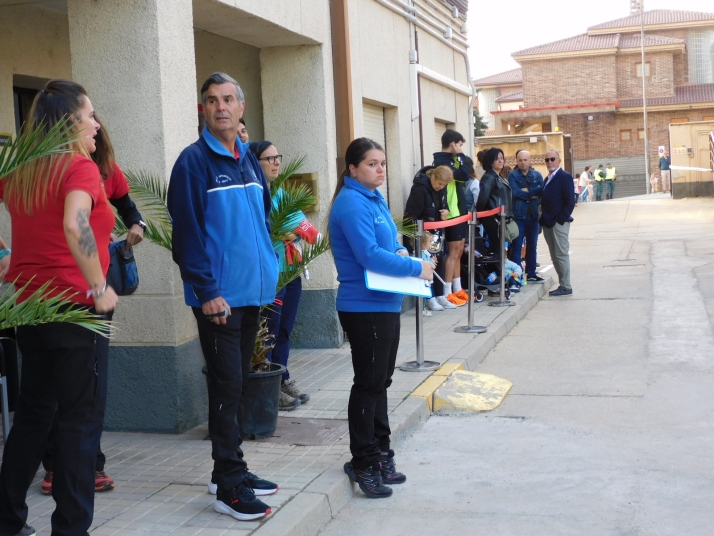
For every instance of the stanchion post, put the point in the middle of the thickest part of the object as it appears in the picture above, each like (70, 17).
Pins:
(502, 301)
(470, 328)
(419, 365)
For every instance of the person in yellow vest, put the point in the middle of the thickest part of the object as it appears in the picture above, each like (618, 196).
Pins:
(599, 175)
(610, 178)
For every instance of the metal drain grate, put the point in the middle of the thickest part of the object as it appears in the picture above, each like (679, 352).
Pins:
(308, 432)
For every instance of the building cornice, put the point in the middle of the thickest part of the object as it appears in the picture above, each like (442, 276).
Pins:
(653, 27)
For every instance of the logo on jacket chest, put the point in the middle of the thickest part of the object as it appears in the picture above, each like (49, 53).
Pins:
(220, 180)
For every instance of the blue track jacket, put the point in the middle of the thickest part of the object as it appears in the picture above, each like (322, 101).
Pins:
(363, 236)
(220, 208)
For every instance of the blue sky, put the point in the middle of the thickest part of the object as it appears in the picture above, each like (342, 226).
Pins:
(498, 29)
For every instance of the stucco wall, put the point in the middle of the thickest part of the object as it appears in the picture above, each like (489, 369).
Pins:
(242, 62)
(35, 42)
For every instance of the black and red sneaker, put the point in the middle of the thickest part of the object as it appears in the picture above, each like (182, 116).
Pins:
(388, 469)
(369, 481)
(241, 503)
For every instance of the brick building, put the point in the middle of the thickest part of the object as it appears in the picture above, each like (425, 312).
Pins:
(590, 87)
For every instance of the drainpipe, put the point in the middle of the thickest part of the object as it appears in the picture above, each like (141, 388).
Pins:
(415, 97)
(342, 77)
(418, 24)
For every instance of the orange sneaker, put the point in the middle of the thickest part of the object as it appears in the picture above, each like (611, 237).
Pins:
(46, 488)
(103, 482)
(454, 298)
(463, 295)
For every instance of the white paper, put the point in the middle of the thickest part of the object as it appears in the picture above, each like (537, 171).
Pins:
(410, 285)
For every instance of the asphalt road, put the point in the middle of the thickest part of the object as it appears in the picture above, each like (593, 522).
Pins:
(609, 427)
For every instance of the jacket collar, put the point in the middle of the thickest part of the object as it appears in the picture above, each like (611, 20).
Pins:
(217, 147)
(354, 184)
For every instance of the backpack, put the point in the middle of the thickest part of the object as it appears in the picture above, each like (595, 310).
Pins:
(123, 275)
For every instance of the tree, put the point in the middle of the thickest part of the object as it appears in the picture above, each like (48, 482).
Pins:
(480, 126)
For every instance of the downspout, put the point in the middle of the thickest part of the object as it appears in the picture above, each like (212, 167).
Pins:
(418, 24)
(342, 77)
(415, 97)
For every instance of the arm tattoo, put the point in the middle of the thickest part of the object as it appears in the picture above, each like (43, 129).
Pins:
(86, 237)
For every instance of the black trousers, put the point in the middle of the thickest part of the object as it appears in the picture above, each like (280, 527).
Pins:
(48, 460)
(64, 367)
(228, 350)
(374, 341)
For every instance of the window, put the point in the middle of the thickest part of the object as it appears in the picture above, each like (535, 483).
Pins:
(626, 135)
(648, 69)
(679, 120)
(641, 134)
(700, 52)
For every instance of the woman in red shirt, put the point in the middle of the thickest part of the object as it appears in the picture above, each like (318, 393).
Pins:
(61, 223)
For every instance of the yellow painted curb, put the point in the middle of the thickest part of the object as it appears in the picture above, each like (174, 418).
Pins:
(426, 389)
(470, 392)
(447, 368)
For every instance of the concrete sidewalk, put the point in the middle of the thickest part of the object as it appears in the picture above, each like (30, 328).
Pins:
(161, 479)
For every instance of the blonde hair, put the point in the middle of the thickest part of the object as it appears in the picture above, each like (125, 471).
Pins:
(28, 187)
(426, 239)
(441, 173)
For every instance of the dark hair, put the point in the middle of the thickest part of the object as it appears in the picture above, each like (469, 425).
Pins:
(577, 175)
(586, 168)
(470, 169)
(451, 136)
(355, 153)
(219, 78)
(490, 157)
(242, 122)
(59, 99)
(103, 156)
(259, 147)
(480, 155)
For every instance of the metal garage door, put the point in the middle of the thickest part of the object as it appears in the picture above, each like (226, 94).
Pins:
(374, 129)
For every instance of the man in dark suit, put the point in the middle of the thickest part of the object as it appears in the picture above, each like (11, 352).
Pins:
(557, 204)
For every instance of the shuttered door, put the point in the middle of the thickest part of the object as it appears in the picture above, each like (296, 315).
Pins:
(439, 129)
(374, 129)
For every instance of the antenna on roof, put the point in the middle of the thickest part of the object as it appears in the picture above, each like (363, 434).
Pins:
(635, 6)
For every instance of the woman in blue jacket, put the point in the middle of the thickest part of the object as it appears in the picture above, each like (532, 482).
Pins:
(363, 236)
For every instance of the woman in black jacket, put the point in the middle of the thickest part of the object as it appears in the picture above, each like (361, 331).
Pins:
(494, 192)
(427, 202)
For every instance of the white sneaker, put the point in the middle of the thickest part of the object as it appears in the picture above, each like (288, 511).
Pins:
(212, 488)
(445, 304)
(426, 312)
(433, 305)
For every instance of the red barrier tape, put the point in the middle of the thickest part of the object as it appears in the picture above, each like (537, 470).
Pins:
(461, 219)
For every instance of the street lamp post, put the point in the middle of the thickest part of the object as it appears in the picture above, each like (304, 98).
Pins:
(636, 5)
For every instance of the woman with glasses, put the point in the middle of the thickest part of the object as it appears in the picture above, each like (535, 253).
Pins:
(281, 314)
(61, 223)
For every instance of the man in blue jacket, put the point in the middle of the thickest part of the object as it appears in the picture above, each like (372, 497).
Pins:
(557, 204)
(219, 202)
(526, 188)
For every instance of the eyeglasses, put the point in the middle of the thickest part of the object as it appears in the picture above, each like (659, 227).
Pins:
(273, 159)
(553, 159)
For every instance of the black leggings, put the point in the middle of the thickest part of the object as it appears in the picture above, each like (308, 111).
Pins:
(374, 341)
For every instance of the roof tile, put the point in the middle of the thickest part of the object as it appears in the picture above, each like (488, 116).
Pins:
(514, 76)
(655, 17)
(511, 97)
(597, 42)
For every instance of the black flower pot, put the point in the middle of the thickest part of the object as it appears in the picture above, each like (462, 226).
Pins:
(261, 403)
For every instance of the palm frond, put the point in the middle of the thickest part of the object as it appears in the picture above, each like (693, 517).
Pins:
(42, 308)
(295, 197)
(309, 254)
(405, 227)
(33, 144)
(287, 170)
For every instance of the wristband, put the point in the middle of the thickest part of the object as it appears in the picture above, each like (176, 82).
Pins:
(97, 293)
(5, 252)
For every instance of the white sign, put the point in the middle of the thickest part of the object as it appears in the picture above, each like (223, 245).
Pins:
(661, 150)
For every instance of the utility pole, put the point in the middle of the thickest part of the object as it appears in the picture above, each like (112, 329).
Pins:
(635, 6)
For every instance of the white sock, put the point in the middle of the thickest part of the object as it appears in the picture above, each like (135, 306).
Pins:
(447, 288)
(457, 284)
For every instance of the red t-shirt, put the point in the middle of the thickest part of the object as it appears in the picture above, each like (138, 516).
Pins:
(39, 246)
(116, 185)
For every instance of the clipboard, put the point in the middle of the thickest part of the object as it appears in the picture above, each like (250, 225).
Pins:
(410, 285)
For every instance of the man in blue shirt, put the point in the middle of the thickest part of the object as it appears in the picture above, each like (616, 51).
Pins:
(664, 162)
(219, 202)
(526, 189)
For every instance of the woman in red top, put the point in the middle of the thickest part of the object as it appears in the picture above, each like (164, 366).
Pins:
(61, 223)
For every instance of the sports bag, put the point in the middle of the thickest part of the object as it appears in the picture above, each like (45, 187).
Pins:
(123, 275)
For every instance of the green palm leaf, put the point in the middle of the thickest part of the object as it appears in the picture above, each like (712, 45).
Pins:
(287, 170)
(309, 254)
(33, 144)
(42, 308)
